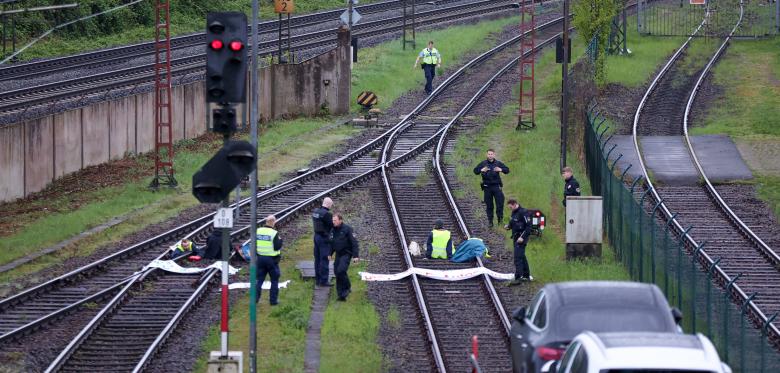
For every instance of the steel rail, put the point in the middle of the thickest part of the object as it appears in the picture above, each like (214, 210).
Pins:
(286, 213)
(708, 260)
(26, 69)
(25, 98)
(438, 138)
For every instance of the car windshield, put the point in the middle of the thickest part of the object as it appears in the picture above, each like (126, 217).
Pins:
(574, 320)
(653, 371)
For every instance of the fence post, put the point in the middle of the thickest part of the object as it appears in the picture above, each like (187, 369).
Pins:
(743, 310)
(652, 244)
(693, 284)
(710, 271)
(666, 253)
(633, 235)
(620, 207)
(764, 335)
(641, 239)
(679, 267)
(601, 135)
(610, 202)
(726, 318)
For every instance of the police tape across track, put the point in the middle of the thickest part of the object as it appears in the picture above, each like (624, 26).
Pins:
(287, 212)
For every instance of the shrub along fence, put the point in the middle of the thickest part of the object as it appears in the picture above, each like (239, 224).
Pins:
(653, 252)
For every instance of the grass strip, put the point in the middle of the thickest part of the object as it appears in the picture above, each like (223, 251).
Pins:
(533, 157)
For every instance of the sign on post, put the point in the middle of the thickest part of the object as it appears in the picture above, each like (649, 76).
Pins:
(355, 17)
(284, 6)
(224, 218)
(698, 2)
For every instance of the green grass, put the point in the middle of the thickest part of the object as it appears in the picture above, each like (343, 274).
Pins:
(533, 157)
(135, 24)
(387, 69)
(768, 188)
(349, 330)
(309, 137)
(749, 75)
(281, 329)
(647, 53)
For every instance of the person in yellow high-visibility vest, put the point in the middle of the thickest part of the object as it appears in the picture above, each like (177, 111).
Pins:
(431, 58)
(269, 246)
(439, 242)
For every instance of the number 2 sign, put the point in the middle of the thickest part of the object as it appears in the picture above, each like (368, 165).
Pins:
(284, 6)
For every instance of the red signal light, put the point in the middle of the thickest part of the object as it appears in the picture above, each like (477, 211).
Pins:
(216, 45)
(538, 213)
(547, 353)
(236, 45)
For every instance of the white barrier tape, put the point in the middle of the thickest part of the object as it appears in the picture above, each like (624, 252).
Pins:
(444, 275)
(266, 285)
(171, 266)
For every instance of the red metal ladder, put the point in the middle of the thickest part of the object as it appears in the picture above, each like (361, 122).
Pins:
(163, 119)
(525, 117)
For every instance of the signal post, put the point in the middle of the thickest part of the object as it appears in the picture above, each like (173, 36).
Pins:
(226, 54)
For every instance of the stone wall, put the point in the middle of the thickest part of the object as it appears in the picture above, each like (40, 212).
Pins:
(36, 152)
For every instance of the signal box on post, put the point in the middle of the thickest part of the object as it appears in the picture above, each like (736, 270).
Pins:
(226, 57)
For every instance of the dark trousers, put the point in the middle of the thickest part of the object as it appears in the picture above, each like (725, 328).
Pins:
(268, 265)
(430, 72)
(493, 192)
(521, 262)
(321, 252)
(340, 268)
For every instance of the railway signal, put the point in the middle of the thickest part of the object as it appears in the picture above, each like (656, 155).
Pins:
(223, 172)
(226, 38)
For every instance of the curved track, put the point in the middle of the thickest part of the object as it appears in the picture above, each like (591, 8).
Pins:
(719, 234)
(285, 200)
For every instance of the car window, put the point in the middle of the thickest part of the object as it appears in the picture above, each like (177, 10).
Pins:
(571, 321)
(567, 356)
(534, 305)
(580, 362)
(540, 317)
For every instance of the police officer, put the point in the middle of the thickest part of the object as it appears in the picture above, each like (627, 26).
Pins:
(431, 58)
(269, 246)
(572, 187)
(439, 242)
(346, 248)
(521, 231)
(323, 225)
(491, 169)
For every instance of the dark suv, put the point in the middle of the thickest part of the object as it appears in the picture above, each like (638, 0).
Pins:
(560, 311)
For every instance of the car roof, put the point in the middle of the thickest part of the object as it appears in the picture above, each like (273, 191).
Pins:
(604, 293)
(650, 351)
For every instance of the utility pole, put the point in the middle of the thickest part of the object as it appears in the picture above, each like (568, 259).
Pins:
(254, 83)
(564, 83)
(349, 9)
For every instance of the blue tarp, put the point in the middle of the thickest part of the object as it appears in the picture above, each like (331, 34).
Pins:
(468, 250)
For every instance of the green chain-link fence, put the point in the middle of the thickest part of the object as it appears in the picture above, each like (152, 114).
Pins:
(652, 252)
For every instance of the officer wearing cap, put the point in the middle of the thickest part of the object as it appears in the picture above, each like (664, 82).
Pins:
(571, 186)
(322, 220)
(439, 242)
(521, 231)
(491, 170)
(269, 246)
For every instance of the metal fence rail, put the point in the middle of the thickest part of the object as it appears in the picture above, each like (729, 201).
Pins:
(680, 18)
(652, 252)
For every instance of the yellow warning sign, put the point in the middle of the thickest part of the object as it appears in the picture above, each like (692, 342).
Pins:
(284, 6)
(367, 98)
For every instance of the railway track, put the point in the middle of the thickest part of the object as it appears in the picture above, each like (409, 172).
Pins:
(725, 243)
(24, 99)
(110, 56)
(288, 199)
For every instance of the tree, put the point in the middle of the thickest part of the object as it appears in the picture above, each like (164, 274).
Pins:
(592, 19)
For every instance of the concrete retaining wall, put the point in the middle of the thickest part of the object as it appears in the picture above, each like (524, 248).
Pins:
(35, 152)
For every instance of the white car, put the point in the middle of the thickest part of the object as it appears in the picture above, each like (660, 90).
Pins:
(639, 352)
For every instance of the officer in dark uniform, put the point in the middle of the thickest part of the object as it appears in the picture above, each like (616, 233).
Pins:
(491, 170)
(346, 248)
(269, 246)
(323, 225)
(572, 187)
(520, 225)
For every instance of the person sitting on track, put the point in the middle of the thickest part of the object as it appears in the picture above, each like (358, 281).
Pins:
(184, 247)
(439, 242)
